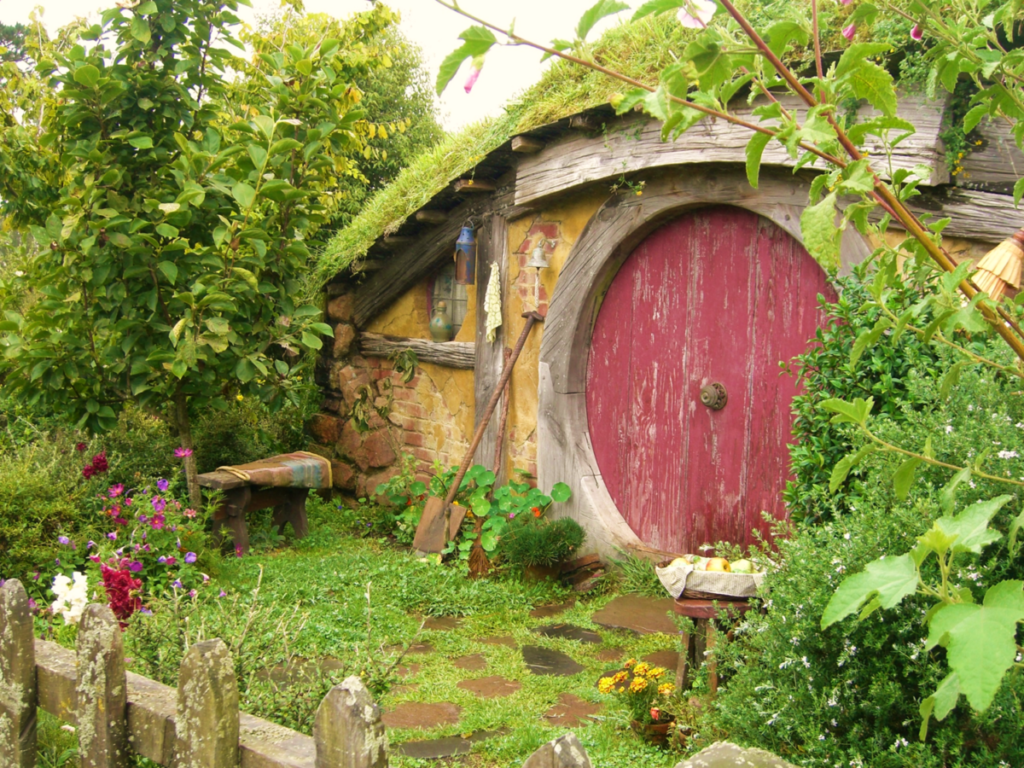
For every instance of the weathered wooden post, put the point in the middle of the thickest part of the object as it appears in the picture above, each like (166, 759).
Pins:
(207, 715)
(102, 691)
(564, 752)
(348, 731)
(17, 678)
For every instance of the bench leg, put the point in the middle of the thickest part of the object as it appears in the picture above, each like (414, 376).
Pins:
(712, 663)
(293, 511)
(682, 671)
(231, 515)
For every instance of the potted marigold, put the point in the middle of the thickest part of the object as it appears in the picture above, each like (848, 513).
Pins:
(645, 693)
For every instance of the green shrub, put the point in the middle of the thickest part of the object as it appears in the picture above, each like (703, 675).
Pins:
(538, 541)
(825, 372)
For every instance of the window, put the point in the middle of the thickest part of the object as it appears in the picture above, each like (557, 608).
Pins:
(444, 288)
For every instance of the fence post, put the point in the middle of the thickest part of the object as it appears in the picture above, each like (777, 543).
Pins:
(102, 690)
(17, 678)
(348, 731)
(207, 715)
(564, 752)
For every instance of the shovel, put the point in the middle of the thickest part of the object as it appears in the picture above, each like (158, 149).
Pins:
(434, 530)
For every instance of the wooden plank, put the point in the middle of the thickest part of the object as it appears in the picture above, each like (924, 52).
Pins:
(221, 480)
(18, 701)
(398, 242)
(422, 258)
(102, 690)
(428, 216)
(476, 186)
(451, 354)
(490, 356)
(976, 215)
(634, 143)
(525, 145)
(996, 165)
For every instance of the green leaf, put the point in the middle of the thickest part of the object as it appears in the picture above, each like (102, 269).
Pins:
(889, 580)
(179, 368)
(980, 640)
(973, 117)
(1015, 527)
(856, 412)
(311, 341)
(477, 42)
(561, 492)
(147, 8)
(169, 269)
(868, 339)
(166, 230)
(782, 33)
(820, 233)
(951, 379)
(970, 527)
(1018, 191)
(141, 142)
(87, 75)
(244, 194)
(845, 464)
(941, 702)
(600, 10)
(755, 149)
(245, 370)
(258, 155)
(875, 85)
(948, 493)
(903, 477)
(140, 31)
(857, 55)
(120, 240)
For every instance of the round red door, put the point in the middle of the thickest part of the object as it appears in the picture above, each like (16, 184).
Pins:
(718, 296)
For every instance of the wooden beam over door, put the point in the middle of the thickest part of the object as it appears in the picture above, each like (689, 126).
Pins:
(492, 253)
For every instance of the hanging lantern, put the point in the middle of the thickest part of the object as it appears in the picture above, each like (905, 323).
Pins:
(465, 257)
(538, 257)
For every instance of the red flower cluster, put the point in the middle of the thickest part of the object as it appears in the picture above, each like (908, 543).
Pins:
(98, 465)
(122, 593)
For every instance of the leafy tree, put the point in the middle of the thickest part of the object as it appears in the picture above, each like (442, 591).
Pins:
(172, 251)
(12, 42)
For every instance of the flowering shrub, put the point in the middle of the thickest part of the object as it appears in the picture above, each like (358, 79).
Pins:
(643, 690)
(72, 596)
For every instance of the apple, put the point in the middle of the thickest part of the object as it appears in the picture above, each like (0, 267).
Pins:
(718, 564)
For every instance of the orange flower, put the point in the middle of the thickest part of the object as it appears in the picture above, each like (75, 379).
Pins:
(620, 676)
(605, 684)
(629, 663)
(536, 511)
(641, 668)
(639, 684)
(666, 688)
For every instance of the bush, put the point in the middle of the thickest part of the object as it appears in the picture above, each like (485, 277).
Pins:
(531, 541)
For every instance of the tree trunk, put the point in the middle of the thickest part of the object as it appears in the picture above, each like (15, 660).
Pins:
(184, 427)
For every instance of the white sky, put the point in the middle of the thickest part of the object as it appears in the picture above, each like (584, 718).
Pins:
(434, 28)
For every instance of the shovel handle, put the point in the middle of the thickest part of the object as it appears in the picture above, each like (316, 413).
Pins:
(531, 319)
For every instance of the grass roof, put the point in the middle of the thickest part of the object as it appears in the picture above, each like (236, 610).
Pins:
(640, 50)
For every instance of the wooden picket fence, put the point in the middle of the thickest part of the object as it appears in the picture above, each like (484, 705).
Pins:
(196, 725)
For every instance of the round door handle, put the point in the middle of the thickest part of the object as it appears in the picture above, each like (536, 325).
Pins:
(714, 396)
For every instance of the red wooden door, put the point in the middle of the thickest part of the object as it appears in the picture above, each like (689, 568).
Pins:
(717, 295)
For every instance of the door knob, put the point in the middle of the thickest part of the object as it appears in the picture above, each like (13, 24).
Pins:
(714, 396)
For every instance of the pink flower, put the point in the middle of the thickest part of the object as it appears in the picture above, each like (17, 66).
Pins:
(471, 80)
(697, 13)
(238, 550)
(116, 490)
(655, 713)
(189, 512)
(159, 505)
(916, 33)
(157, 522)
(850, 31)
(79, 447)
(181, 453)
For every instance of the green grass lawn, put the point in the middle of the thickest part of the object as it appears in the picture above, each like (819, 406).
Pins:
(313, 604)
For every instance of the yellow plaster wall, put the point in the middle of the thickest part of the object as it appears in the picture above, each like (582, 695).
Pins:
(572, 216)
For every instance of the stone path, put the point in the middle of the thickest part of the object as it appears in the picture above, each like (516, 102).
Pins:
(417, 714)
(450, 746)
(571, 711)
(506, 640)
(472, 663)
(643, 615)
(493, 687)
(547, 611)
(569, 632)
(545, 661)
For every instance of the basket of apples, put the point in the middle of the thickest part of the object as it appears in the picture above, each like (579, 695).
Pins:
(709, 577)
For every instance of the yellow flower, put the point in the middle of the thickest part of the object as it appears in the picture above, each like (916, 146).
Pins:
(641, 668)
(239, 398)
(666, 688)
(620, 676)
(657, 672)
(637, 685)
(605, 684)
(629, 663)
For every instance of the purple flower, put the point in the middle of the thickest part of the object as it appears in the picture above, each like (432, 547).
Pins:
(177, 584)
(511, 515)
(181, 453)
(157, 522)
(116, 490)
(63, 540)
(192, 593)
(32, 604)
(112, 535)
(206, 578)
(90, 545)
(222, 594)
(145, 611)
(238, 550)
(135, 566)
(162, 484)
(159, 505)
(171, 560)
(917, 33)
(471, 80)
(850, 31)
(143, 519)
(190, 558)
(161, 559)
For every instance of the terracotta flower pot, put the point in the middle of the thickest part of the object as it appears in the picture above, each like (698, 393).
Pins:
(655, 733)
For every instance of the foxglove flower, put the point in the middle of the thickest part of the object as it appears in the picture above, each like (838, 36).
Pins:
(474, 74)
(850, 31)
(917, 33)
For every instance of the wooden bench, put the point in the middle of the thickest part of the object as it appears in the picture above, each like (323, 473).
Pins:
(242, 497)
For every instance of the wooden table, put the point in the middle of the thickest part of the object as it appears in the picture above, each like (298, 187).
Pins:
(704, 612)
(241, 497)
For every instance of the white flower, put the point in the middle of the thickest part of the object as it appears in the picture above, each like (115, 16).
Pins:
(697, 13)
(1007, 454)
(72, 596)
(949, 429)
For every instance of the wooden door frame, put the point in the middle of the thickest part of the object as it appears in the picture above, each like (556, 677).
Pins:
(564, 449)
